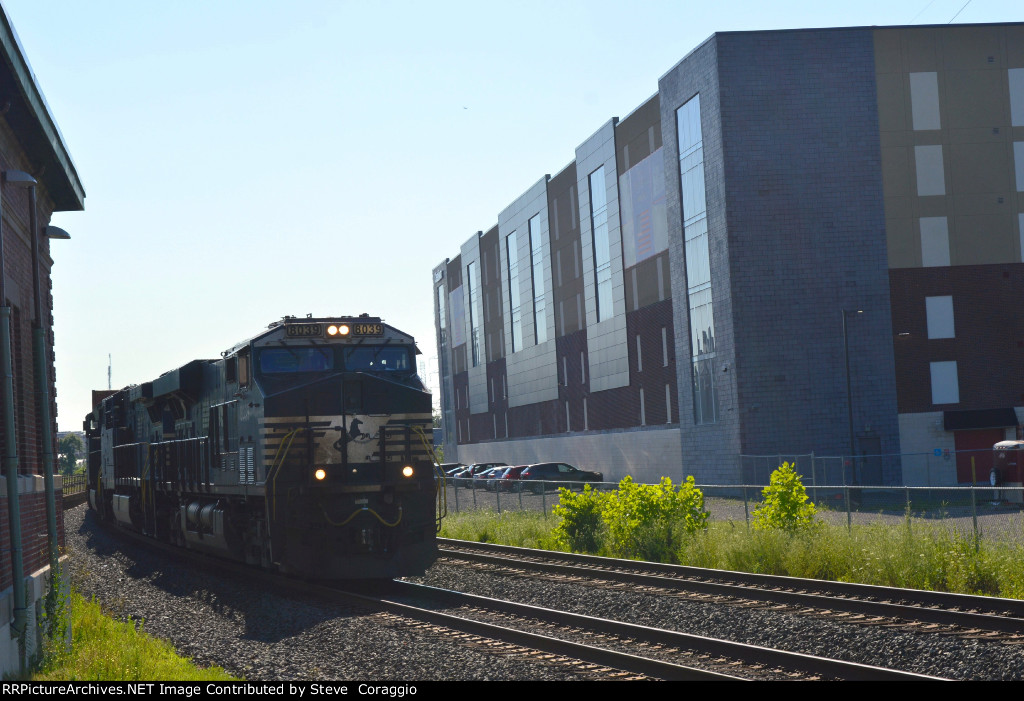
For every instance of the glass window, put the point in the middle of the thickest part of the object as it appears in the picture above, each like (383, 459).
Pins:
(377, 358)
(441, 316)
(273, 360)
(540, 326)
(698, 261)
(939, 312)
(473, 291)
(945, 387)
(514, 302)
(602, 245)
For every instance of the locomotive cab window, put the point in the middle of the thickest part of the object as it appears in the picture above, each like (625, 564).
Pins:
(377, 358)
(288, 359)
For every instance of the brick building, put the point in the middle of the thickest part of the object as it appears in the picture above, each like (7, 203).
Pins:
(791, 214)
(30, 143)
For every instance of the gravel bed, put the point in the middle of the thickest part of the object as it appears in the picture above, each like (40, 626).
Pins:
(255, 633)
(940, 655)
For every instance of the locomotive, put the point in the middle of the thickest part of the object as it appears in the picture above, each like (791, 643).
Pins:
(305, 449)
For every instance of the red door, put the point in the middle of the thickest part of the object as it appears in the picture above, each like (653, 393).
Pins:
(975, 444)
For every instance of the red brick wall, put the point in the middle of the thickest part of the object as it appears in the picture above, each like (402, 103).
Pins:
(19, 289)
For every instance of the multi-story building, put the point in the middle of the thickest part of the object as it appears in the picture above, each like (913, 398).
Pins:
(806, 242)
(37, 172)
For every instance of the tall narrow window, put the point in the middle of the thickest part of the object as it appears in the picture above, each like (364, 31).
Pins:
(540, 328)
(602, 245)
(473, 287)
(698, 262)
(515, 313)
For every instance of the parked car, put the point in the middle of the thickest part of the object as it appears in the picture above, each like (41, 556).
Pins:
(466, 477)
(450, 468)
(494, 478)
(557, 474)
(485, 479)
(510, 479)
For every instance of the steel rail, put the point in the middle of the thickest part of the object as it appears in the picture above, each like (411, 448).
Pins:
(750, 654)
(767, 588)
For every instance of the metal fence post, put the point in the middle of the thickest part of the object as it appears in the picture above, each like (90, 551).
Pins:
(544, 498)
(456, 488)
(849, 518)
(814, 477)
(746, 510)
(497, 494)
(974, 503)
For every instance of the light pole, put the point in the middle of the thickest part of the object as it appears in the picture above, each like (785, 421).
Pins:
(849, 393)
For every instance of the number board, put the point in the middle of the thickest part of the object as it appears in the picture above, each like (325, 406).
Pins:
(303, 330)
(367, 329)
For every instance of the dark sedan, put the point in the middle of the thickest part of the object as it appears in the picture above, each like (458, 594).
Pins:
(557, 474)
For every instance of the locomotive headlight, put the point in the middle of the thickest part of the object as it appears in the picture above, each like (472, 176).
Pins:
(343, 329)
(320, 474)
(407, 471)
(332, 330)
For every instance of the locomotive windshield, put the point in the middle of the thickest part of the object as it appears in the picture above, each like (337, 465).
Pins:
(377, 358)
(274, 360)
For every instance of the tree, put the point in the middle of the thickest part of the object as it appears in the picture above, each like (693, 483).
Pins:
(68, 449)
(785, 506)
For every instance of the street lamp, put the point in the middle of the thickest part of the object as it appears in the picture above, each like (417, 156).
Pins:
(849, 393)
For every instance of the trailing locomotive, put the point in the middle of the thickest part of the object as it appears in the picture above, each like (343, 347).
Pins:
(305, 449)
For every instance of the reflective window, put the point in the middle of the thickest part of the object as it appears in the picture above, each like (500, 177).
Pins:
(377, 358)
(698, 261)
(537, 270)
(273, 360)
(602, 246)
(441, 316)
(473, 287)
(515, 313)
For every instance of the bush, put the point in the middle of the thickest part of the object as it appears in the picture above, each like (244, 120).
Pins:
(648, 521)
(579, 520)
(785, 506)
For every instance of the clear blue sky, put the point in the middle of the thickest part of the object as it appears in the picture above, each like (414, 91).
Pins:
(247, 160)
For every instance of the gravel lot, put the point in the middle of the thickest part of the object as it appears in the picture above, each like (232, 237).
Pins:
(255, 633)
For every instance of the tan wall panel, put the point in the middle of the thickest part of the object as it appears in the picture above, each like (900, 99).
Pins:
(892, 113)
(920, 50)
(971, 48)
(982, 203)
(978, 168)
(888, 52)
(904, 241)
(980, 239)
(1013, 40)
(975, 99)
(896, 181)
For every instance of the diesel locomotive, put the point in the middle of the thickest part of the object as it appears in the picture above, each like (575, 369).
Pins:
(305, 449)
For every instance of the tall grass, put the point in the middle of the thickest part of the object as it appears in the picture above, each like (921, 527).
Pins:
(109, 650)
(910, 554)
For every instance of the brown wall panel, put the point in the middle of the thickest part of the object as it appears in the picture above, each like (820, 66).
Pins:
(989, 335)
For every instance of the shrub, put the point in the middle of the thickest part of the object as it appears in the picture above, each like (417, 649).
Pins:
(785, 506)
(648, 521)
(579, 527)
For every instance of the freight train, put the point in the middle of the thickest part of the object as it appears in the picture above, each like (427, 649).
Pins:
(305, 449)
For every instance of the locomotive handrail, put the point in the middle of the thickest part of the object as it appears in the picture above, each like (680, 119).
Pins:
(440, 492)
(275, 466)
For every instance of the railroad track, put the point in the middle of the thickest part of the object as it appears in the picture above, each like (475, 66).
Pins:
(972, 616)
(597, 647)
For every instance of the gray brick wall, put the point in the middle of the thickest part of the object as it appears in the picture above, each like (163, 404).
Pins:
(796, 222)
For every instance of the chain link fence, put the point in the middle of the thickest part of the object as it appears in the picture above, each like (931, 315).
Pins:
(982, 510)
